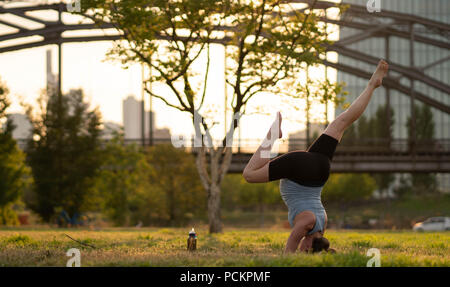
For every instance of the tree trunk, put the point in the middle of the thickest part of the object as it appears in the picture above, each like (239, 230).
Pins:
(215, 222)
(211, 182)
(219, 162)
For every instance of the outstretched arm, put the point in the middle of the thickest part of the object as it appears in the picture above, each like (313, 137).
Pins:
(344, 120)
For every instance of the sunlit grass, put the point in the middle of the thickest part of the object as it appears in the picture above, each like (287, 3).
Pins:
(234, 247)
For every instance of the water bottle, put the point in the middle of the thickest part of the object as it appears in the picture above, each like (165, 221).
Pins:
(192, 240)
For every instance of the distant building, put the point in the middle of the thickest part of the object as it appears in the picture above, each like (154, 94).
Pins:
(52, 79)
(132, 122)
(22, 126)
(132, 118)
(161, 136)
(22, 131)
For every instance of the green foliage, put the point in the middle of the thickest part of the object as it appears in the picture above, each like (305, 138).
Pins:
(320, 91)
(422, 184)
(157, 186)
(4, 102)
(239, 193)
(381, 129)
(345, 188)
(124, 174)
(315, 92)
(8, 216)
(270, 47)
(382, 126)
(246, 203)
(63, 153)
(350, 135)
(371, 132)
(374, 132)
(425, 126)
(178, 194)
(14, 174)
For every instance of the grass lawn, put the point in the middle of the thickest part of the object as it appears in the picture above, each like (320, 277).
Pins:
(234, 247)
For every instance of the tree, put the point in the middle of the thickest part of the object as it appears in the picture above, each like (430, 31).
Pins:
(374, 132)
(63, 152)
(382, 129)
(231, 189)
(175, 177)
(347, 188)
(365, 131)
(268, 45)
(382, 126)
(237, 193)
(424, 138)
(13, 171)
(157, 185)
(260, 195)
(350, 137)
(315, 92)
(124, 174)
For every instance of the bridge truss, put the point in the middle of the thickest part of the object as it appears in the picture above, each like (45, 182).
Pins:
(384, 24)
(357, 17)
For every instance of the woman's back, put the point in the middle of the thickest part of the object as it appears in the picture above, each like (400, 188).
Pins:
(299, 198)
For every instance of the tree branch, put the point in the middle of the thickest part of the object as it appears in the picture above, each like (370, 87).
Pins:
(169, 82)
(172, 24)
(206, 77)
(164, 100)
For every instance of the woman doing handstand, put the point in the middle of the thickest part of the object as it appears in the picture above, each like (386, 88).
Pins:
(303, 174)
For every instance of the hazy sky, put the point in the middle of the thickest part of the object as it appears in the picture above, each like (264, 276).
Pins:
(106, 84)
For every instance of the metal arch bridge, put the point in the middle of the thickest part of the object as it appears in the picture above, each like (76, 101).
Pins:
(384, 24)
(357, 17)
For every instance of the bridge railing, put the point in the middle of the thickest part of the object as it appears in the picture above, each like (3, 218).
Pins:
(358, 147)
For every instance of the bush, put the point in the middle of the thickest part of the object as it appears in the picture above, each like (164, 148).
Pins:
(8, 216)
(345, 188)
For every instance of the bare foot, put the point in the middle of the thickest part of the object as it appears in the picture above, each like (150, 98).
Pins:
(274, 126)
(379, 74)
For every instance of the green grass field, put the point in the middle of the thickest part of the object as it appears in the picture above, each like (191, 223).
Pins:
(234, 247)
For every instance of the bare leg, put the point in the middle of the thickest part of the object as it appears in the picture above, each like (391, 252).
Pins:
(257, 169)
(344, 120)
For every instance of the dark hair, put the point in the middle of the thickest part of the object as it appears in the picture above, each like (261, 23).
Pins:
(319, 244)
